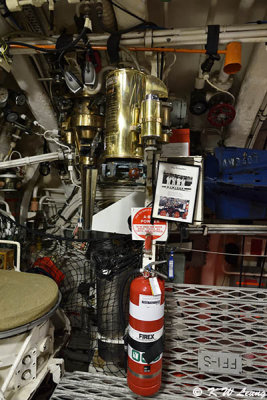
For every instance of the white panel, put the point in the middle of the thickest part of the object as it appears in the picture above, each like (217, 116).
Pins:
(115, 218)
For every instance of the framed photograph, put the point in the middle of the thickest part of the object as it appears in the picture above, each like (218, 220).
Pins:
(176, 191)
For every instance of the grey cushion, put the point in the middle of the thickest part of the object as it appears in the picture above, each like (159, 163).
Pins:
(24, 297)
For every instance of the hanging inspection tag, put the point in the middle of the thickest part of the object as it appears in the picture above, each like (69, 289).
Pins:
(154, 286)
(171, 266)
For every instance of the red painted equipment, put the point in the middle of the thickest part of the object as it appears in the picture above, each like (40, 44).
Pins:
(221, 115)
(145, 342)
(46, 266)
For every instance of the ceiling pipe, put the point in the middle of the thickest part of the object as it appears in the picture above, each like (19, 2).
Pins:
(250, 98)
(260, 118)
(38, 100)
(251, 33)
(250, 274)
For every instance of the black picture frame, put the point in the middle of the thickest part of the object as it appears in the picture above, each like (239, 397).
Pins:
(176, 192)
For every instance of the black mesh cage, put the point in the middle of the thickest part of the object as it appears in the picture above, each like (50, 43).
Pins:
(94, 278)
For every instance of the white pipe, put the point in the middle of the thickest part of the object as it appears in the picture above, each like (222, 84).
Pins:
(260, 118)
(38, 100)
(32, 160)
(74, 179)
(7, 206)
(35, 192)
(17, 267)
(42, 199)
(250, 98)
(243, 274)
(197, 30)
(250, 33)
(183, 31)
(16, 362)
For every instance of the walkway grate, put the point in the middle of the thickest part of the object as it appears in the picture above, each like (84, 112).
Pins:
(204, 325)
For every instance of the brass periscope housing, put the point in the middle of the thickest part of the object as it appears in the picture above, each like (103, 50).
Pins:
(126, 90)
(85, 123)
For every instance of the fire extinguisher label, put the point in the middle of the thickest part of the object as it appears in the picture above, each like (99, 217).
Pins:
(149, 308)
(145, 337)
(138, 356)
(149, 301)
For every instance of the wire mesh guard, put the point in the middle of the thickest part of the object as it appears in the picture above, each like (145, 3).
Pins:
(213, 321)
(202, 324)
(89, 274)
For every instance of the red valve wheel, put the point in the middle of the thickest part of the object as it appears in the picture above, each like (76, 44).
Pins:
(221, 115)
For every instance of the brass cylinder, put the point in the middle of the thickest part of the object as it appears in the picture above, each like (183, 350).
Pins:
(151, 117)
(85, 120)
(165, 137)
(125, 90)
(66, 132)
(166, 108)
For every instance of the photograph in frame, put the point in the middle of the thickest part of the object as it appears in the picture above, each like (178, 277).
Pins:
(176, 192)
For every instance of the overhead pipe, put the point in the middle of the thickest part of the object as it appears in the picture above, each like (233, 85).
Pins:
(250, 33)
(20, 162)
(250, 274)
(258, 122)
(232, 58)
(250, 98)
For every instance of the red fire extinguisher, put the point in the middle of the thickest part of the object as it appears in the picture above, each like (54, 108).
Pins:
(145, 341)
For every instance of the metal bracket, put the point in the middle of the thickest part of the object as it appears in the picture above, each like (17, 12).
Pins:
(148, 38)
(56, 368)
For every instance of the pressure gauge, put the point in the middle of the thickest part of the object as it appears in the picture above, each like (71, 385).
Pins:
(20, 99)
(3, 97)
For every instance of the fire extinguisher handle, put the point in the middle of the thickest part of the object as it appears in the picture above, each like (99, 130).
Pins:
(163, 276)
(148, 268)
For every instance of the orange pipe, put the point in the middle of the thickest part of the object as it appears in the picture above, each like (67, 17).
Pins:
(103, 48)
(232, 62)
(42, 46)
(162, 50)
(232, 53)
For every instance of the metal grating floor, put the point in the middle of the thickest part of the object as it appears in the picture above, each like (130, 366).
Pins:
(85, 385)
(197, 319)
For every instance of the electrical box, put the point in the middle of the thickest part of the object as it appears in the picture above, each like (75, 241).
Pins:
(6, 259)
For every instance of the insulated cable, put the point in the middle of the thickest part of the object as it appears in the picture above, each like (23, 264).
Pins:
(218, 89)
(188, 250)
(51, 48)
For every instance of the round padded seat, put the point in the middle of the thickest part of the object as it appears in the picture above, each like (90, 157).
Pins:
(24, 298)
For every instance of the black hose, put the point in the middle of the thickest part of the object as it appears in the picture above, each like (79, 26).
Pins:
(56, 50)
(30, 46)
(121, 295)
